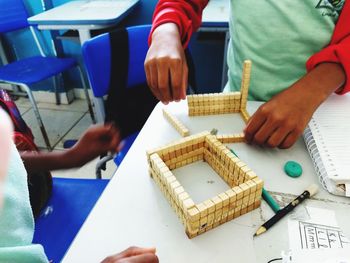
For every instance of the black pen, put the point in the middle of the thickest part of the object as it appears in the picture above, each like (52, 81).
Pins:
(310, 191)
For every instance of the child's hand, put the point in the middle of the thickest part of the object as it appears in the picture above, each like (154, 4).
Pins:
(165, 64)
(6, 129)
(134, 255)
(280, 121)
(97, 140)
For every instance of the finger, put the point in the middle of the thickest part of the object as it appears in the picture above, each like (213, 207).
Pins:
(277, 137)
(290, 139)
(264, 132)
(144, 258)
(105, 132)
(184, 83)
(134, 251)
(163, 83)
(154, 81)
(176, 79)
(253, 125)
(148, 74)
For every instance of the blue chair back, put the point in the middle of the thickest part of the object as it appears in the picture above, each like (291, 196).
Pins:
(97, 57)
(13, 15)
(69, 205)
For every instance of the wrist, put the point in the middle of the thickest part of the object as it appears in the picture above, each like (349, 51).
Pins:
(318, 84)
(166, 30)
(327, 78)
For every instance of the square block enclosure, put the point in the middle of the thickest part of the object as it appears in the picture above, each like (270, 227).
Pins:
(244, 187)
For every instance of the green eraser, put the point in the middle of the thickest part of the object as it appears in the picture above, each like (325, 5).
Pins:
(293, 169)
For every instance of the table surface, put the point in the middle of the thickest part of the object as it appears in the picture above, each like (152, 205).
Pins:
(85, 12)
(216, 14)
(133, 211)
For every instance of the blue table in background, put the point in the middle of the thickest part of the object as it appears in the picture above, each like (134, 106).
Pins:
(84, 16)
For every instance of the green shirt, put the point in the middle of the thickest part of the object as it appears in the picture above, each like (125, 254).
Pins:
(279, 37)
(16, 218)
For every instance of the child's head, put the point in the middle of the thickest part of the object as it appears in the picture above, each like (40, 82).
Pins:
(6, 129)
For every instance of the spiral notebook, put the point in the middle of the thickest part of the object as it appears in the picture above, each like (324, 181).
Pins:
(327, 138)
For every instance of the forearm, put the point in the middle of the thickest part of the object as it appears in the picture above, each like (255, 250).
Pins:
(187, 15)
(322, 81)
(44, 161)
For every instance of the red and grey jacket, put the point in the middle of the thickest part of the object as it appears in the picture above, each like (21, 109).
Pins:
(187, 15)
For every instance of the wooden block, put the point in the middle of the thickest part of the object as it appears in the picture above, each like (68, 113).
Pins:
(181, 128)
(259, 183)
(245, 188)
(238, 191)
(218, 214)
(211, 217)
(231, 195)
(244, 211)
(188, 204)
(193, 214)
(210, 206)
(245, 115)
(203, 222)
(217, 201)
(225, 199)
(202, 209)
(252, 185)
(247, 65)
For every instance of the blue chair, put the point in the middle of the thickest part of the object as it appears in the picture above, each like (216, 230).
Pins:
(25, 72)
(59, 222)
(97, 58)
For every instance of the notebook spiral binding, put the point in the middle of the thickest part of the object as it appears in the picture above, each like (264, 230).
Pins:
(322, 169)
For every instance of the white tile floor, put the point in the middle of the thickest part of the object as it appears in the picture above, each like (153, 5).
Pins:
(63, 122)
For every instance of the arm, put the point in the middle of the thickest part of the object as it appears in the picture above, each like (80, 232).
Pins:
(338, 49)
(95, 141)
(6, 129)
(280, 122)
(187, 15)
(165, 64)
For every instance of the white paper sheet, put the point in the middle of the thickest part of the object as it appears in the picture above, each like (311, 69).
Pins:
(318, 256)
(320, 231)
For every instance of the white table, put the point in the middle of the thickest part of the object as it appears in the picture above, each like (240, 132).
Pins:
(133, 211)
(84, 16)
(216, 17)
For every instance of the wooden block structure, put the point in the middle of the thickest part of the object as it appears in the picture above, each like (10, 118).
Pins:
(216, 103)
(181, 128)
(220, 103)
(243, 195)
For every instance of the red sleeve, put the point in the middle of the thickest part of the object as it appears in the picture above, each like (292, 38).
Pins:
(187, 15)
(338, 50)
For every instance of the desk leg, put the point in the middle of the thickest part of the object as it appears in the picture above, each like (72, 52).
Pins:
(3, 54)
(224, 77)
(84, 35)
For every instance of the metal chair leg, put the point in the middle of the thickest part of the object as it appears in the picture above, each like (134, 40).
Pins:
(56, 84)
(87, 95)
(38, 117)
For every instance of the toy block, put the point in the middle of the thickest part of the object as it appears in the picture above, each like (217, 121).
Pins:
(247, 65)
(210, 206)
(245, 115)
(241, 197)
(181, 128)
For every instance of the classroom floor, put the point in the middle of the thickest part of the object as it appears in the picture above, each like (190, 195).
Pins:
(63, 122)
